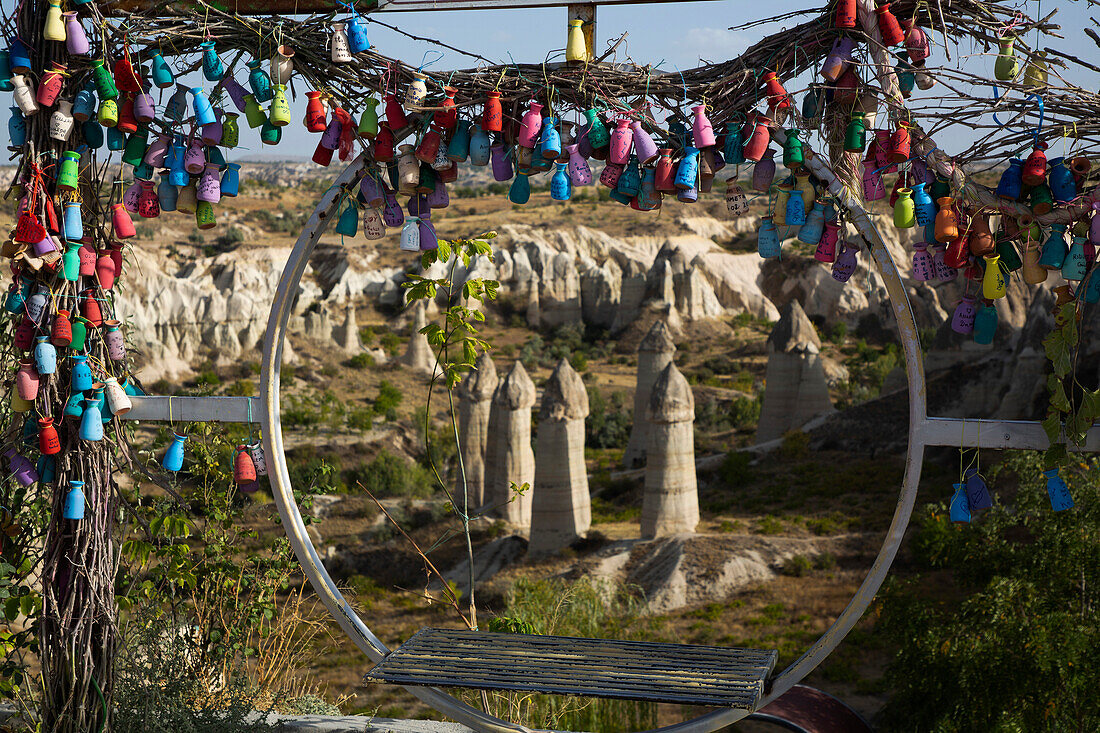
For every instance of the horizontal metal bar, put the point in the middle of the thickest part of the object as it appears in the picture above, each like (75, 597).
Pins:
(997, 434)
(195, 409)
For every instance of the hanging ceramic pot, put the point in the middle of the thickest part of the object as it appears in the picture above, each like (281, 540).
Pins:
(1063, 186)
(734, 149)
(26, 380)
(61, 121)
(981, 238)
(985, 323)
(598, 137)
(839, 58)
(1007, 65)
(688, 169)
(702, 132)
(826, 248)
(845, 15)
(549, 139)
(763, 173)
(665, 174)
(340, 50)
(50, 87)
(173, 457)
(947, 221)
(502, 164)
(212, 67)
(279, 114)
(773, 89)
(855, 136)
(736, 201)
(357, 35)
(24, 96)
(282, 65)
(846, 263)
(923, 266)
(204, 112)
(1034, 171)
(1076, 263)
(904, 210)
(54, 28)
(1054, 249)
(368, 123)
(993, 282)
(530, 126)
(576, 49)
(759, 139)
(417, 91)
(767, 239)
(812, 231)
(917, 44)
(889, 27)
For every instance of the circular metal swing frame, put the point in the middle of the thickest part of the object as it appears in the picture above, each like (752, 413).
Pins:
(922, 432)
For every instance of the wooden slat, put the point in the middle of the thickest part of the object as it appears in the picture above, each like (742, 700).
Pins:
(562, 665)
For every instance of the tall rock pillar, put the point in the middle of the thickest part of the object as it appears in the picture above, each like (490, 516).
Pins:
(561, 510)
(795, 387)
(510, 458)
(670, 504)
(654, 354)
(475, 398)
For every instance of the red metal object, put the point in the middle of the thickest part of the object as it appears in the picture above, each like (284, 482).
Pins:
(808, 710)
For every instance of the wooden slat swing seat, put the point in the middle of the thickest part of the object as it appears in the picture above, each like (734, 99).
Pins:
(565, 665)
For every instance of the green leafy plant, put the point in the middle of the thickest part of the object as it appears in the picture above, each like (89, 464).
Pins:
(1071, 409)
(1007, 639)
(457, 345)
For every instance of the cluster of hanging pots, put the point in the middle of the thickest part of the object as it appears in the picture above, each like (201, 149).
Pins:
(640, 166)
(73, 378)
(93, 104)
(988, 245)
(795, 206)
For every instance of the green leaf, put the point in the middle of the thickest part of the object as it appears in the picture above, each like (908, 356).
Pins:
(1057, 351)
(1058, 399)
(1090, 406)
(1052, 425)
(1056, 456)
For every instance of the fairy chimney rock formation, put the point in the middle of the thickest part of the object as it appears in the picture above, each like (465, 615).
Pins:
(561, 511)
(419, 354)
(475, 398)
(348, 335)
(796, 389)
(654, 354)
(509, 457)
(534, 311)
(670, 503)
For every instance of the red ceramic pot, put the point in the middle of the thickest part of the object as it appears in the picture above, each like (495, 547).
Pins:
(845, 14)
(492, 119)
(892, 34)
(315, 113)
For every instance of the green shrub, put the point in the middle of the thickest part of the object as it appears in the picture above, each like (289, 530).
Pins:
(389, 476)
(608, 424)
(769, 525)
(361, 419)
(795, 445)
(735, 470)
(387, 401)
(361, 361)
(390, 342)
(797, 566)
(242, 388)
(1009, 639)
